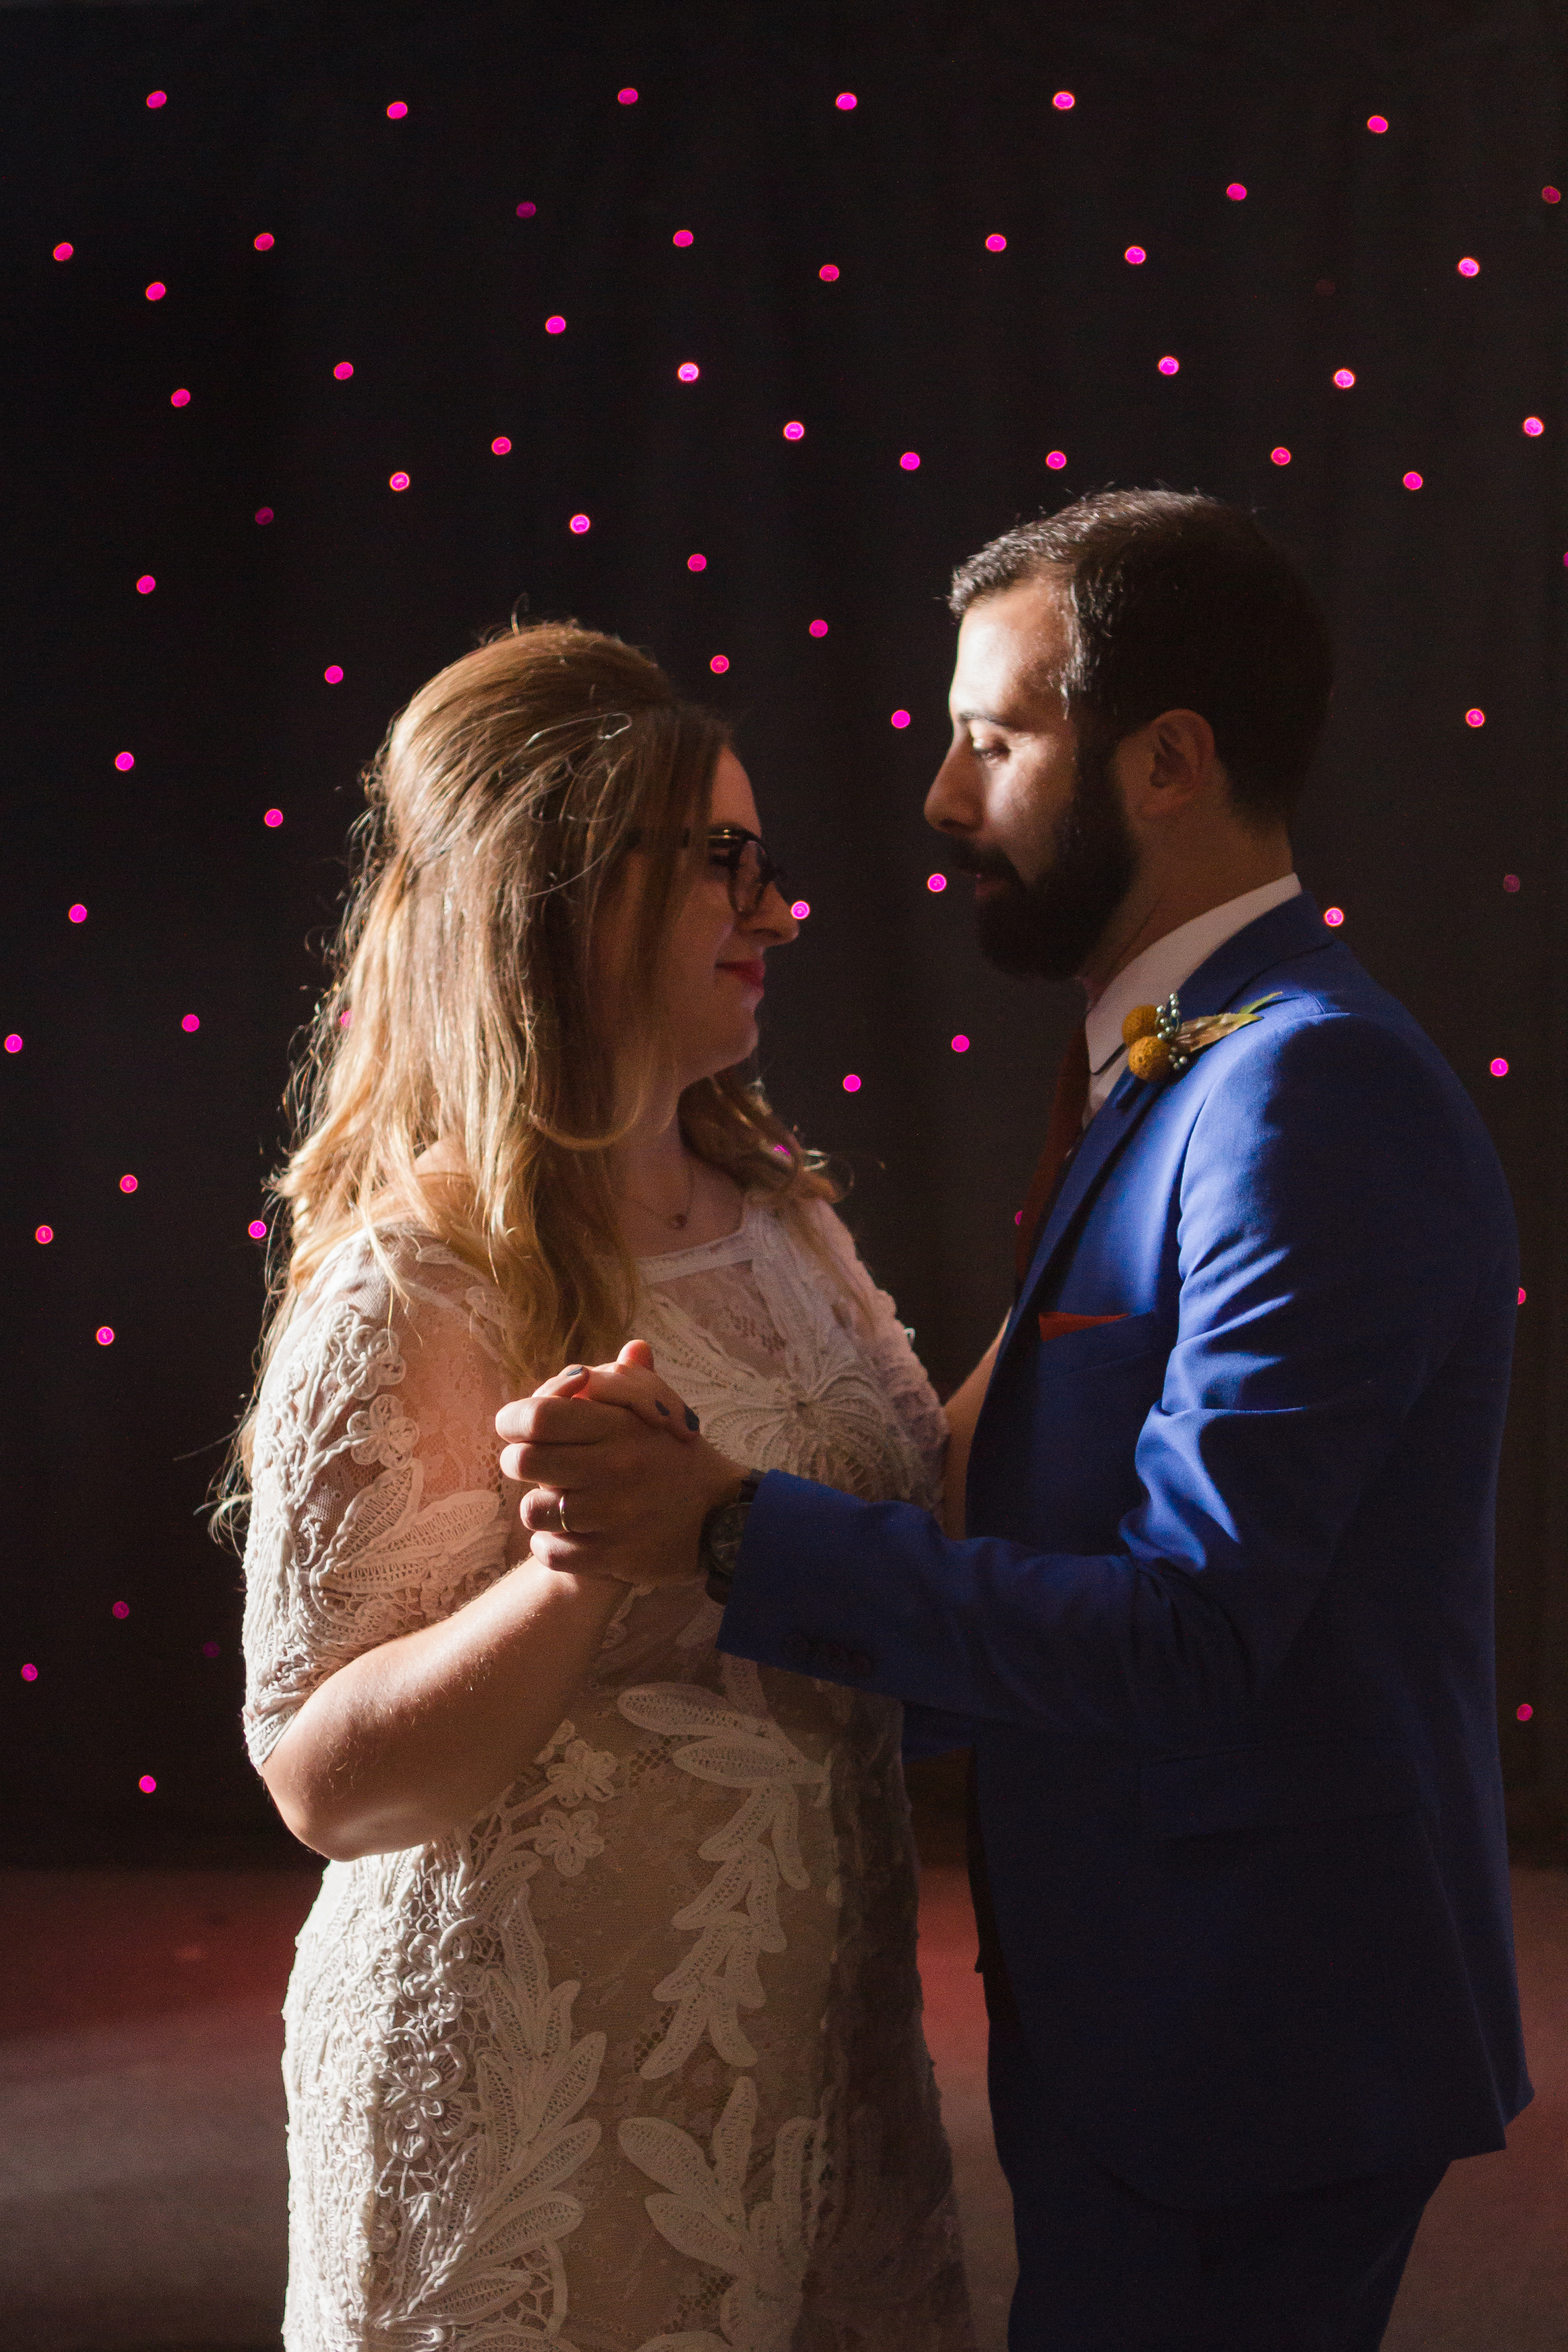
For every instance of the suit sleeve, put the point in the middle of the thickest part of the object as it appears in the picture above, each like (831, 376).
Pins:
(1336, 1224)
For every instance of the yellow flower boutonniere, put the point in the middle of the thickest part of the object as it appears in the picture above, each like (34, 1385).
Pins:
(1160, 1045)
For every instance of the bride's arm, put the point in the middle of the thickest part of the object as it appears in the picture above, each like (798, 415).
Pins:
(963, 1409)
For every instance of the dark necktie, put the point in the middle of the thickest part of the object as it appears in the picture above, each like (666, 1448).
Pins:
(1061, 1141)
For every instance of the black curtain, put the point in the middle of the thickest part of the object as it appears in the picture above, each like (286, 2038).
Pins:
(416, 192)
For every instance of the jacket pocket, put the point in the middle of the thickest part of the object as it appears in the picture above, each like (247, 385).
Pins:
(1102, 1339)
(1274, 1788)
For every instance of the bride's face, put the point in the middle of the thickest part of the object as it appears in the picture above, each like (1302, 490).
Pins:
(713, 971)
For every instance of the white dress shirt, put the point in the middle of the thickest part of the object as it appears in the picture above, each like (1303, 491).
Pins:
(1152, 976)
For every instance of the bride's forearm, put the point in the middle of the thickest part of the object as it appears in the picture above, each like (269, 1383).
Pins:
(963, 1409)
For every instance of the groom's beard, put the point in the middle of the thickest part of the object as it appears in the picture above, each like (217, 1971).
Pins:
(1051, 926)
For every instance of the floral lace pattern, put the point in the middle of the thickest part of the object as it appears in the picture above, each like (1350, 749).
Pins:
(633, 2062)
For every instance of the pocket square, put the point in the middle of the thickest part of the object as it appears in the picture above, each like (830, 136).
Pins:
(1056, 1325)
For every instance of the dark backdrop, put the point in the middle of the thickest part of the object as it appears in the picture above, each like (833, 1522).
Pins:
(428, 249)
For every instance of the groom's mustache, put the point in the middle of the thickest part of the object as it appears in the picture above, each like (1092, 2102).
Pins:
(995, 865)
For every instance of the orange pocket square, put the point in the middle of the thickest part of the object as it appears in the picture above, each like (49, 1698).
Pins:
(1057, 1326)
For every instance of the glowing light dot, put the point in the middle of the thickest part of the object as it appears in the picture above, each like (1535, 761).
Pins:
(1469, 268)
(1552, 195)
(128, 1183)
(794, 430)
(688, 371)
(398, 481)
(1511, 881)
(846, 101)
(64, 252)
(682, 237)
(1334, 916)
(851, 1084)
(124, 760)
(333, 674)
(104, 1334)
(209, 1649)
(343, 370)
(396, 111)
(76, 914)
(626, 97)
(1168, 366)
(1236, 193)
(721, 663)
(911, 461)
(1526, 1711)
(1344, 378)
(817, 628)
(1533, 427)
(345, 1018)
(120, 1608)
(829, 271)
(1378, 122)
(961, 1044)
(1135, 254)
(995, 242)
(156, 97)
(1521, 1297)
(526, 211)
(43, 1232)
(1475, 717)
(146, 1784)
(556, 324)
(1412, 481)
(801, 909)
(263, 514)
(156, 292)
(697, 563)
(1280, 456)
(190, 1023)
(257, 1229)
(1498, 1066)
(29, 1673)
(936, 882)
(1055, 459)
(578, 524)
(500, 446)
(900, 718)
(1064, 101)
(14, 1042)
(181, 399)
(265, 242)
(273, 817)
(145, 585)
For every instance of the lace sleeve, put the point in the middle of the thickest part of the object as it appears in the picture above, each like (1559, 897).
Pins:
(886, 1344)
(378, 1501)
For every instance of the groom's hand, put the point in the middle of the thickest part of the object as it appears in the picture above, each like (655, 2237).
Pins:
(620, 1480)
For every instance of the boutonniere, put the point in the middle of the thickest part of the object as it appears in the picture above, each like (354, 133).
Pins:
(1162, 1046)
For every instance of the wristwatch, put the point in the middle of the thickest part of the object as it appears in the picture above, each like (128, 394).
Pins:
(723, 1532)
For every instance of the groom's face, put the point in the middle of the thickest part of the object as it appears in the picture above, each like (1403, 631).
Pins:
(1027, 805)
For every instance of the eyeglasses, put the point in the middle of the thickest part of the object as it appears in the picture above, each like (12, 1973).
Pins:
(752, 872)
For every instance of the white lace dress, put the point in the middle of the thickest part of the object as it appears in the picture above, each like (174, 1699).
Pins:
(633, 2063)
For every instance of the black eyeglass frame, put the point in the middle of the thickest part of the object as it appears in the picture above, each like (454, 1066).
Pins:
(727, 846)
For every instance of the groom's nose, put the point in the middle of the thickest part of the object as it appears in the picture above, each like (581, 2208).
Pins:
(955, 803)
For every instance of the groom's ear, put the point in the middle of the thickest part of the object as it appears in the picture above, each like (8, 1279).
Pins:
(1166, 766)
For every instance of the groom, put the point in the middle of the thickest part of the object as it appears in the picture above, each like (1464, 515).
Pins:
(1220, 1630)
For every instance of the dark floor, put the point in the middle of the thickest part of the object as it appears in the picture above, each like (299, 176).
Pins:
(142, 2170)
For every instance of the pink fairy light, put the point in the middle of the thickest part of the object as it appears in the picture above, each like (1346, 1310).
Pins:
(1475, 717)
(995, 242)
(64, 252)
(800, 909)
(1522, 1296)
(1344, 378)
(14, 1042)
(961, 1044)
(156, 292)
(398, 481)
(181, 399)
(1511, 882)
(578, 525)
(794, 430)
(1236, 193)
(343, 370)
(29, 1673)
(1280, 456)
(104, 1334)
(273, 817)
(1412, 481)
(846, 101)
(526, 211)
(682, 237)
(1552, 195)
(263, 514)
(265, 242)
(721, 663)
(1064, 101)
(626, 97)
(900, 718)
(257, 1229)
(145, 585)
(556, 324)
(396, 111)
(688, 371)
(911, 461)
(829, 271)
(936, 882)
(128, 1183)
(76, 914)
(1055, 459)
(190, 1023)
(817, 628)
(146, 1784)
(1168, 366)
(124, 760)
(1498, 1066)
(1135, 255)
(1334, 916)
(851, 1084)
(500, 446)
(1533, 427)
(333, 674)
(697, 563)
(1378, 122)
(156, 97)
(1469, 267)
(1526, 1711)
(209, 1649)
(43, 1233)
(121, 1609)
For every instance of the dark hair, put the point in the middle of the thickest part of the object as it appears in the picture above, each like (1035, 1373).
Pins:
(1179, 603)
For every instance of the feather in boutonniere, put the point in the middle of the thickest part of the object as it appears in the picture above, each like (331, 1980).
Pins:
(1162, 1046)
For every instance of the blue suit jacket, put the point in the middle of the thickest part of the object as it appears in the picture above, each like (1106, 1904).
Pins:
(1222, 1631)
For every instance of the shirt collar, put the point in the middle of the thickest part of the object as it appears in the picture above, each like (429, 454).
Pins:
(1161, 970)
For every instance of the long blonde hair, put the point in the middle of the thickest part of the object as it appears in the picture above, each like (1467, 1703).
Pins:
(464, 1008)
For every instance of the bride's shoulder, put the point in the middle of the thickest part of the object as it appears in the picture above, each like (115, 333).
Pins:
(397, 1275)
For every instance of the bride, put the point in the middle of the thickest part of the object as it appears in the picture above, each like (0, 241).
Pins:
(604, 2031)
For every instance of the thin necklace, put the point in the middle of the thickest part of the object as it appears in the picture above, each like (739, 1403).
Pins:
(662, 1216)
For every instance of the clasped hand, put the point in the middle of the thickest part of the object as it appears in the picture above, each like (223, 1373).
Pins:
(619, 1476)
